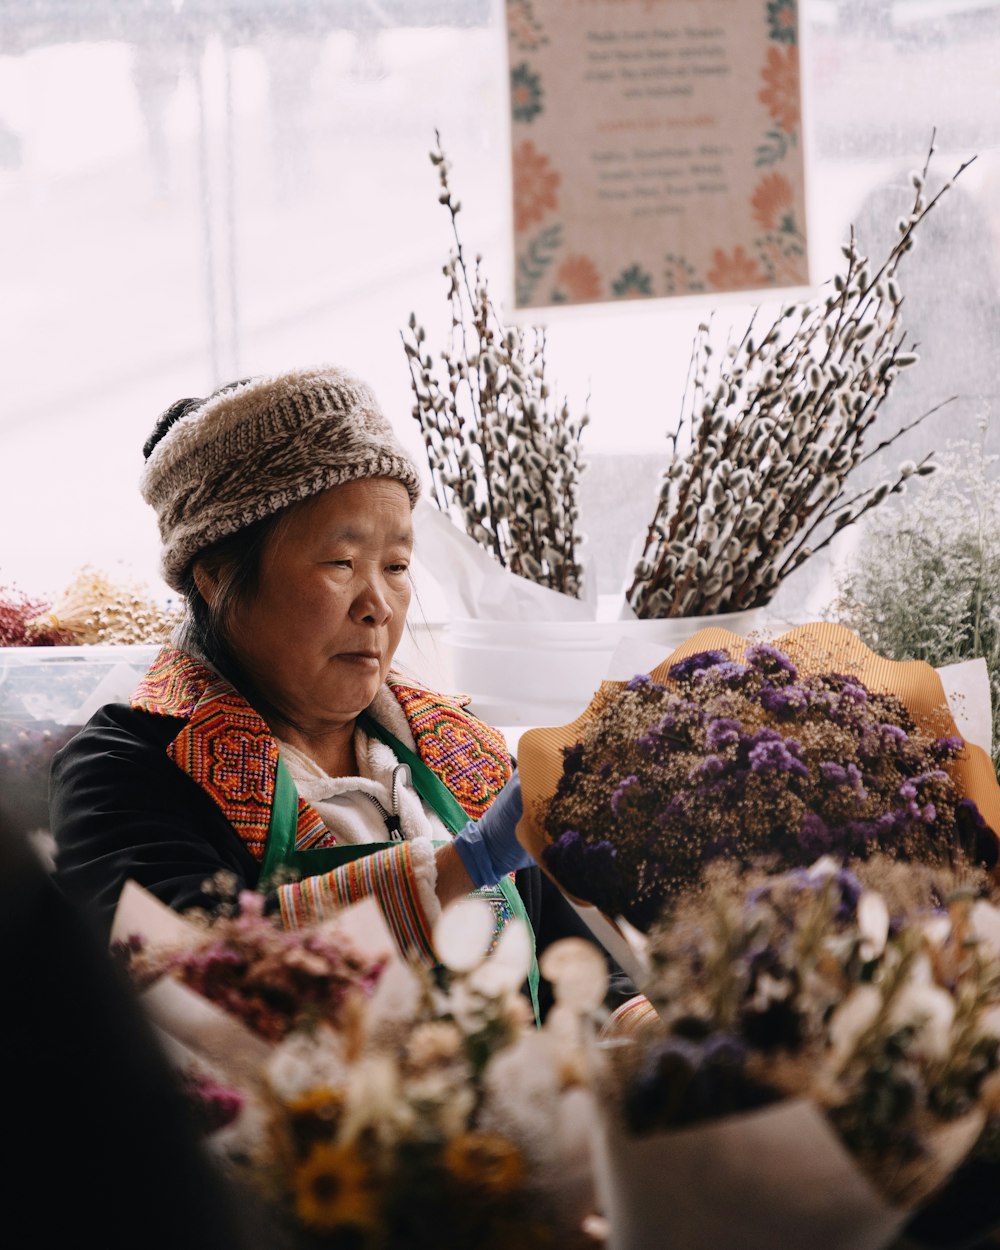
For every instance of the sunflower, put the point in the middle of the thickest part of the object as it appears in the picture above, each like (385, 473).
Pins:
(335, 1192)
(312, 1117)
(485, 1161)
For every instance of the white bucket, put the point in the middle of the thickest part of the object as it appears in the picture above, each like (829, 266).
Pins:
(546, 672)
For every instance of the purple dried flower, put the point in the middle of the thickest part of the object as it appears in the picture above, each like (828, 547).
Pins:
(860, 834)
(722, 732)
(728, 673)
(709, 769)
(685, 669)
(783, 756)
(588, 870)
(774, 664)
(784, 702)
(621, 790)
(833, 774)
(942, 749)
(673, 730)
(814, 836)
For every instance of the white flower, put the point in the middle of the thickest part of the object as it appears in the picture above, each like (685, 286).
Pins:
(441, 1098)
(578, 973)
(985, 922)
(396, 995)
(374, 1105)
(936, 929)
(463, 933)
(504, 971)
(825, 866)
(873, 924)
(923, 1004)
(305, 1060)
(433, 1042)
(856, 1013)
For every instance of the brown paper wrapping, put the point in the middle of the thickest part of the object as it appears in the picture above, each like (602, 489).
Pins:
(814, 648)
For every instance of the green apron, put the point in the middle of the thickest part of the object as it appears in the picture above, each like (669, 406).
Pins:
(281, 850)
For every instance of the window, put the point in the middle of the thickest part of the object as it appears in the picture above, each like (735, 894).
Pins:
(195, 191)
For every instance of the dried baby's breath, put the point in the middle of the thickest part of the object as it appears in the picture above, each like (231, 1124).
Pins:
(96, 609)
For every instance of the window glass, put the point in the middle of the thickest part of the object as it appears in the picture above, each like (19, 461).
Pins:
(195, 191)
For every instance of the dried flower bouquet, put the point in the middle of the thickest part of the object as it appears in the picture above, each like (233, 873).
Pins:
(739, 752)
(363, 1102)
(504, 455)
(830, 1036)
(770, 435)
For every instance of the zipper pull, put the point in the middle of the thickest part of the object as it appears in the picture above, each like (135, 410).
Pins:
(392, 822)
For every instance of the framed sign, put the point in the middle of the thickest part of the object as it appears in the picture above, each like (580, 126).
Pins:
(656, 148)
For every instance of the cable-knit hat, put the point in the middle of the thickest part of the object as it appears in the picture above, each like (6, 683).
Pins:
(253, 447)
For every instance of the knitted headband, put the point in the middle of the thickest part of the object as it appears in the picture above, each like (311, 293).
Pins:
(253, 447)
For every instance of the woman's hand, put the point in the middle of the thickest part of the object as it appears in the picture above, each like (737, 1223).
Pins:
(488, 848)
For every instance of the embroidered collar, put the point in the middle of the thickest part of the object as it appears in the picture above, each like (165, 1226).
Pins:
(226, 747)
(228, 750)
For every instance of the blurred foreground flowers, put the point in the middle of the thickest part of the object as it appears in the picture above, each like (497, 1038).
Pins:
(363, 1102)
(823, 1056)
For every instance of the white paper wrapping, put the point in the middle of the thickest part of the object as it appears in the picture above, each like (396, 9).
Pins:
(756, 1181)
(475, 586)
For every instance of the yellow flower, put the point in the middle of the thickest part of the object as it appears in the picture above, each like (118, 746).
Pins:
(319, 1100)
(312, 1117)
(486, 1161)
(335, 1192)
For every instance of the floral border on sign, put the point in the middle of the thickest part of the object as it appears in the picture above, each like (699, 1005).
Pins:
(774, 256)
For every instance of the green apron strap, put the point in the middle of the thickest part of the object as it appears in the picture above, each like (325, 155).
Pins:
(514, 901)
(284, 822)
(436, 794)
(427, 784)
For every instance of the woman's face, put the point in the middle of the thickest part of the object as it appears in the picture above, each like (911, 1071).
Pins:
(334, 589)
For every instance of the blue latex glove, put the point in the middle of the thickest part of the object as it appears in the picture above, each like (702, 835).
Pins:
(488, 847)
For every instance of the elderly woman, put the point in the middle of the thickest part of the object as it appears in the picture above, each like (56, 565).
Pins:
(274, 741)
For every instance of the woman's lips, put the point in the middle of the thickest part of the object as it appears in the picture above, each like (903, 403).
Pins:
(366, 659)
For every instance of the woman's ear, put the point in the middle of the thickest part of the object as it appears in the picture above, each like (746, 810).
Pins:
(207, 581)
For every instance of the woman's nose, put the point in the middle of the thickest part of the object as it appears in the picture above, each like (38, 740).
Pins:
(372, 603)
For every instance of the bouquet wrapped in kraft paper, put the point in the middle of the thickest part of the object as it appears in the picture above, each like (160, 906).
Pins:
(772, 753)
(791, 848)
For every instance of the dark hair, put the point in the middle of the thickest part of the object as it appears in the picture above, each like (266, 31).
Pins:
(236, 562)
(179, 409)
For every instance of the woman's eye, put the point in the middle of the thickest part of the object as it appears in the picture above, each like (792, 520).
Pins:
(398, 568)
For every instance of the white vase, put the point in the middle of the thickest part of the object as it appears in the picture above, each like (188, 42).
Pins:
(546, 672)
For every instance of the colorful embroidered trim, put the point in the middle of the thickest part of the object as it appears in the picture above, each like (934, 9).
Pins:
(226, 747)
(634, 1016)
(173, 684)
(388, 877)
(470, 757)
(229, 751)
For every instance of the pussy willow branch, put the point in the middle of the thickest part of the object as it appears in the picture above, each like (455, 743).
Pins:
(774, 433)
(504, 456)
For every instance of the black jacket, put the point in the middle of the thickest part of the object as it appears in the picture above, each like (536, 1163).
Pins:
(120, 808)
